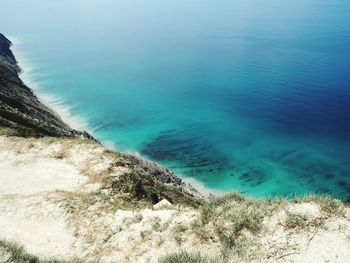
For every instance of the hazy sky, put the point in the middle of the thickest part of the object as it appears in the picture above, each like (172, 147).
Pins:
(41, 16)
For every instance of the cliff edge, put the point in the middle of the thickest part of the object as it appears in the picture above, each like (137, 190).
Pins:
(22, 114)
(66, 198)
(20, 110)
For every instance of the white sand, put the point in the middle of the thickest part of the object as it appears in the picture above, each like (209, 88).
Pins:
(36, 223)
(28, 176)
(38, 176)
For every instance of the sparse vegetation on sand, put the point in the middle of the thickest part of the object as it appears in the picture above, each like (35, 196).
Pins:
(234, 219)
(66, 195)
(11, 252)
(329, 205)
(187, 257)
(107, 201)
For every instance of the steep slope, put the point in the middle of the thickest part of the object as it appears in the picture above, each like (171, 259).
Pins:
(20, 110)
(63, 195)
(22, 114)
(71, 198)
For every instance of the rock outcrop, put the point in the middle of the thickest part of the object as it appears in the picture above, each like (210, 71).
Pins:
(67, 197)
(22, 114)
(20, 110)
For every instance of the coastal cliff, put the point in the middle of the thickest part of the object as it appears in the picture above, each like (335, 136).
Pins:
(66, 198)
(23, 114)
(20, 110)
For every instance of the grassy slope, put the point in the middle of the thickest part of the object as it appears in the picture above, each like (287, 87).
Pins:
(234, 220)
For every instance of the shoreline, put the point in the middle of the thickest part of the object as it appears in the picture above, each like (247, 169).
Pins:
(64, 111)
(53, 102)
(69, 199)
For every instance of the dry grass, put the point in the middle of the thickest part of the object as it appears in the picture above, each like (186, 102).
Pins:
(303, 222)
(178, 232)
(329, 205)
(156, 224)
(12, 252)
(187, 257)
(234, 219)
(237, 221)
(233, 223)
(146, 234)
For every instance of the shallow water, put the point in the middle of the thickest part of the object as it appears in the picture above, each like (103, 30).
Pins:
(250, 95)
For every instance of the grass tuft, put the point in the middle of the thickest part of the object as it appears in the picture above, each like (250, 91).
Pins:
(186, 257)
(296, 221)
(235, 220)
(16, 253)
(328, 204)
(12, 252)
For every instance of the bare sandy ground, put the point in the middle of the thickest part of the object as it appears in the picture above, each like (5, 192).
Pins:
(44, 204)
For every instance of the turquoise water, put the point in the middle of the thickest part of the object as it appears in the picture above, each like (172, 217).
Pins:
(245, 95)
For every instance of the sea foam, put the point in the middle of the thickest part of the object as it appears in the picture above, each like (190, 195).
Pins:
(54, 102)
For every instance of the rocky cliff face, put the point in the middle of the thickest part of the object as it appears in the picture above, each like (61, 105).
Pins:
(20, 110)
(22, 114)
(71, 198)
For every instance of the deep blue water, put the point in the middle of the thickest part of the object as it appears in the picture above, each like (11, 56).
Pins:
(245, 95)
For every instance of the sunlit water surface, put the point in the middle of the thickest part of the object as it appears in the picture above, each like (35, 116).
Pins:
(247, 95)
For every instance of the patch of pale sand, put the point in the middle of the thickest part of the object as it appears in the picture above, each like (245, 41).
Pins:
(310, 210)
(22, 174)
(80, 154)
(139, 236)
(32, 165)
(36, 223)
(326, 246)
(163, 204)
(330, 243)
(275, 234)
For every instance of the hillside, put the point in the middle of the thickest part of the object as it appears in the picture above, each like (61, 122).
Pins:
(66, 198)
(21, 112)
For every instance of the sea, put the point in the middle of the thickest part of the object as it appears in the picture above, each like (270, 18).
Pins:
(250, 96)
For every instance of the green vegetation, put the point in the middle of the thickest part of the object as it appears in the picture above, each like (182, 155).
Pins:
(110, 152)
(303, 222)
(234, 219)
(11, 252)
(145, 234)
(137, 218)
(156, 226)
(178, 232)
(15, 253)
(77, 203)
(186, 257)
(233, 223)
(7, 131)
(180, 228)
(329, 206)
(10, 128)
